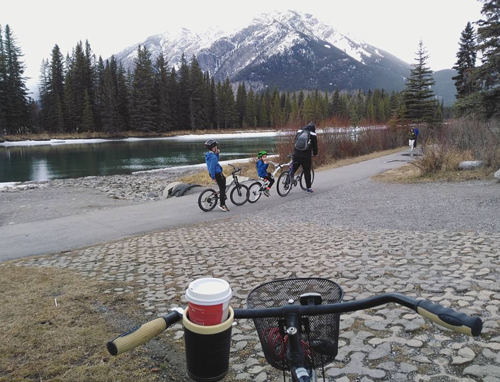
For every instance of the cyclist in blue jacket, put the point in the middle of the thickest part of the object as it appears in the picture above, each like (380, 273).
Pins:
(262, 166)
(215, 171)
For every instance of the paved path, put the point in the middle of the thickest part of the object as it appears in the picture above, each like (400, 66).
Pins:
(77, 231)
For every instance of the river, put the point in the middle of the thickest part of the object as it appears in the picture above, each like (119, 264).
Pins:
(35, 160)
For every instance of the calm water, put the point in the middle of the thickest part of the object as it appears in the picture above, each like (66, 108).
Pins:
(57, 161)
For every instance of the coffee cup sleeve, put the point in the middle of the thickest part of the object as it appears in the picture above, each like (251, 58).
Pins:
(142, 334)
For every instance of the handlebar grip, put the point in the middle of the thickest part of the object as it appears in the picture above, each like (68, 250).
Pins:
(458, 322)
(141, 334)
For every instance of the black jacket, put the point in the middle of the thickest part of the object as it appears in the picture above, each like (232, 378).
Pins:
(313, 148)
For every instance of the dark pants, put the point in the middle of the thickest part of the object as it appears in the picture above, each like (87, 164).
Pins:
(270, 179)
(305, 162)
(221, 182)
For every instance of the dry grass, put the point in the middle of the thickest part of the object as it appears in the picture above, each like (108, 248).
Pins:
(409, 173)
(202, 178)
(40, 341)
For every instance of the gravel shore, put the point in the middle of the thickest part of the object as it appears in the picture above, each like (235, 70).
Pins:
(42, 200)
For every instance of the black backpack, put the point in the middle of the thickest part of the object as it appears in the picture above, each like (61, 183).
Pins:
(303, 140)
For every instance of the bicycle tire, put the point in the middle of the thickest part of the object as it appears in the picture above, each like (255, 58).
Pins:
(303, 180)
(208, 200)
(284, 184)
(239, 195)
(254, 192)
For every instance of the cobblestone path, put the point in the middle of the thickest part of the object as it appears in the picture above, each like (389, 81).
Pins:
(391, 343)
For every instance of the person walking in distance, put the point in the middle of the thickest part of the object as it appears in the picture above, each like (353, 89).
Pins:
(411, 139)
(262, 165)
(306, 146)
(215, 171)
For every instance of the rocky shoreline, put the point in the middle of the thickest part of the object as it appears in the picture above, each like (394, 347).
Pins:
(137, 187)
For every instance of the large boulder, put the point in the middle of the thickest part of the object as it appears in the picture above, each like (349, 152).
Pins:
(470, 164)
(497, 174)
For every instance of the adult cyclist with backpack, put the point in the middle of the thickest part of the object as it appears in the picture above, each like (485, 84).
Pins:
(306, 146)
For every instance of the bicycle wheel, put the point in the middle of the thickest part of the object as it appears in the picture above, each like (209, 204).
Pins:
(303, 180)
(239, 195)
(208, 200)
(254, 192)
(284, 185)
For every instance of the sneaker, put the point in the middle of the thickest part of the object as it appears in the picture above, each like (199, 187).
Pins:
(224, 208)
(309, 191)
(266, 192)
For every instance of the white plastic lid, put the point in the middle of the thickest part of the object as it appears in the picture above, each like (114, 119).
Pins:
(208, 291)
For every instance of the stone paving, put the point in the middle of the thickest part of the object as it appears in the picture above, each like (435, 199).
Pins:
(389, 343)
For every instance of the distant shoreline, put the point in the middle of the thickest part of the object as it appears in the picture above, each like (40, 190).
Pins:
(126, 134)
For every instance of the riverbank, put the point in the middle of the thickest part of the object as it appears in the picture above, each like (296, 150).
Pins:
(122, 134)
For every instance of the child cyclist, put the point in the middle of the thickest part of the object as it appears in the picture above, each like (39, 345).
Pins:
(262, 165)
(215, 171)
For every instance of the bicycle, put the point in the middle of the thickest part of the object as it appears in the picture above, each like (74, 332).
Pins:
(257, 188)
(287, 181)
(298, 323)
(209, 198)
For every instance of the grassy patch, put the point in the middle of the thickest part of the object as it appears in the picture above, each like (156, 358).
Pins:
(409, 173)
(202, 178)
(44, 341)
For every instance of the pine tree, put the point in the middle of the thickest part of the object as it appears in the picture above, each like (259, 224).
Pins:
(98, 93)
(241, 103)
(489, 45)
(3, 79)
(466, 63)
(122, 99)
(250, 114)
(197, 117)
(184, 95)
(418, 96)
(52, 98)
(16, 112)
(164, 116)
(88, 116)
(109, 102)
(143, 103)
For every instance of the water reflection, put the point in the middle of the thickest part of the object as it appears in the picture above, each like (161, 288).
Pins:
(43, 162)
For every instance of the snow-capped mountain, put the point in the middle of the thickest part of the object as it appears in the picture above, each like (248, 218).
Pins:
(289, 50)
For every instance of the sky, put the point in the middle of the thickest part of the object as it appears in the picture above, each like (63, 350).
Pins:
(395, 26)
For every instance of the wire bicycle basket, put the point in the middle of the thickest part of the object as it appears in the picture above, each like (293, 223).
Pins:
(320, 334)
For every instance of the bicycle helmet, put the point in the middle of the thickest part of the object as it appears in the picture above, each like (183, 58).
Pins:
(261, 153)
(210, 144)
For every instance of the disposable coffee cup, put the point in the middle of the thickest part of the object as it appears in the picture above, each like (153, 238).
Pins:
(208, 301)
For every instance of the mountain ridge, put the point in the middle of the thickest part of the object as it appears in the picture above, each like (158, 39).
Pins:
(290, 50)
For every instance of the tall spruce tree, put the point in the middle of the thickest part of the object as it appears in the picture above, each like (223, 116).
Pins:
(489, 45)
(466, 63)
(164, 116)
(16, 111)
(52, 98)
(419, 98)
(197, 96)
(143, 103)
(184, 95)
(3, 77)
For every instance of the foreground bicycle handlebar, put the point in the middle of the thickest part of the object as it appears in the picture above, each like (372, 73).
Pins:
(446, 317)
